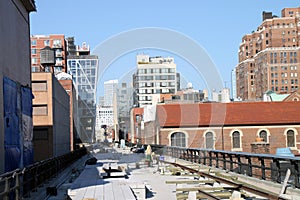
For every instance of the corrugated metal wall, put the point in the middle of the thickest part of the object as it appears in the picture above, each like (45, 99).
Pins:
(17, 125)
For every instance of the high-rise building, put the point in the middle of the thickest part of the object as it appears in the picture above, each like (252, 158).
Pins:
(83, 67)
(110, 92)
(154, 76)
(48, 53)
(269, 57)
(104, 118)
(124, 105)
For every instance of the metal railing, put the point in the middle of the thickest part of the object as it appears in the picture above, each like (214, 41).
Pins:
(263, 166)
(21, 182)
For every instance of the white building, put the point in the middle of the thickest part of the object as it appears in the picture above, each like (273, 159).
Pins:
(221, 96)
(104, 116)
(154, 76)
(110, 89)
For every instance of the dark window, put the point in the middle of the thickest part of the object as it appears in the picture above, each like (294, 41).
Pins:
(209, 140)
(290, 138)
(264, 135)
(178, 139)
(236, 140)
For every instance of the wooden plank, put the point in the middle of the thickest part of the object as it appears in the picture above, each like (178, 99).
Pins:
(204, 188)
(180, 196)
(80, 193)
(108, 192)
(117, 190)
(190, 181)
(127, 192)
(90, 192)
(99, 192)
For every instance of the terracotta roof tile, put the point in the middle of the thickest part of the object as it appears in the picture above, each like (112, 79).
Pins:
(237, 113)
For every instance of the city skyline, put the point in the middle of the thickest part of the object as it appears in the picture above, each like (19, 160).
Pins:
(217, 29)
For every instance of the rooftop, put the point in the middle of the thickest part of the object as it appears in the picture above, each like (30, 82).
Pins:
(228, 114)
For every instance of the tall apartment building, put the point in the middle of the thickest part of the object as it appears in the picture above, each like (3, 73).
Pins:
(84, 68)
(110, 92)
(124, 105)
(269, 57)
(48, 53)
(51, 117)
(154, 76)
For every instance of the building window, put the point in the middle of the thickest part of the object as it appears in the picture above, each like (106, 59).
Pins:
(178, 139)
(56, 43)
(236, 140)
(34, 60)
(209, 140)
(38, 86)
(290, 137)
(263, 134)
(40, 134)
(33, 51)
(46, 42)
(33, 42)
(39, 110)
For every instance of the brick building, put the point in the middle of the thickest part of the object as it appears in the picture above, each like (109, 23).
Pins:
(51, 117)
(230, 126)
(269, 57)
(48, 53)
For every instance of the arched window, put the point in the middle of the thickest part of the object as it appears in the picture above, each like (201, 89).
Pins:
(178, 139)
(263, 134)
(290, 137)
(236, 139)
(209, 140)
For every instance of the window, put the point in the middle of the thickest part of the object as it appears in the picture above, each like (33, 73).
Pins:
(178, 139)
(290, 137)
(39, 85)
(40, 134)
(47, 42)
(33, 51)
(34, 60)
(33, 42)
(263, 134)
(209, 140)
(236, 140)
(40, 110)
(56, 43)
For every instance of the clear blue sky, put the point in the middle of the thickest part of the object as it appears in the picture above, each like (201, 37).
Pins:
(216, 25)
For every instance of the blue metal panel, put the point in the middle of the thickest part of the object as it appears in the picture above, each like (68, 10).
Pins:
(27, 126)
(11, 125)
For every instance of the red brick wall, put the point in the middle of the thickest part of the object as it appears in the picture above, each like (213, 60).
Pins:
(277, 139)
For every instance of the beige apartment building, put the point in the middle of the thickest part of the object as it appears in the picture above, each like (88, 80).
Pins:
(51, 117)
(269, 57)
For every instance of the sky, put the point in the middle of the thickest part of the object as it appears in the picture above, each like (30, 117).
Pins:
(216, 26)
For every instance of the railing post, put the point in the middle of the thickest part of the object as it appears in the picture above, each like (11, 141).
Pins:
(231, 162)
(17, 186)
(6, 189)
(249, 166)
(239, 164)
(278, 178)
(217, 159)
(204, 157)
(198, 157)
(210, 158)
(263, 168)
(224, 160)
